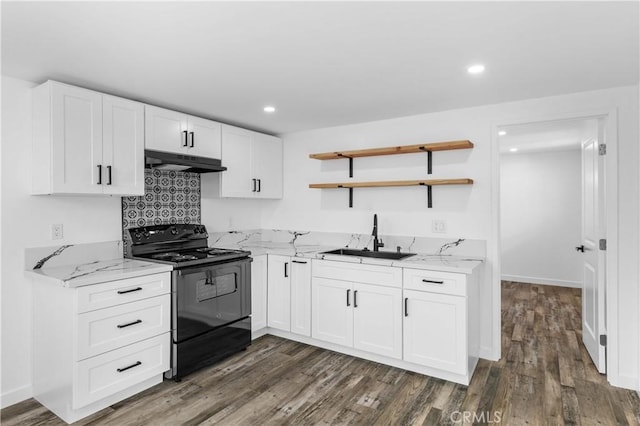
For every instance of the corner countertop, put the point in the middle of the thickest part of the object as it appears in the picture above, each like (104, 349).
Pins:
(98, 272)
(432, 262)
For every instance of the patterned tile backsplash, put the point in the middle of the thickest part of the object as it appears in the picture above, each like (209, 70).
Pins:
(169, 197)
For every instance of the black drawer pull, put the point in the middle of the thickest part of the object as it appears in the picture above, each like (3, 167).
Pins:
(348, 291)
(259, 185)
(99, 174)
(131, 290)
(186, 138)
(432, 281)
(254, 185)
(299, 261)
(355, 298)
(286, 269)
(129, 324)
(109, 175)
(193, 139)
(406, 303)
(120, 370)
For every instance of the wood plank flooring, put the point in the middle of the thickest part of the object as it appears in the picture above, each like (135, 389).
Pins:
(545, 377)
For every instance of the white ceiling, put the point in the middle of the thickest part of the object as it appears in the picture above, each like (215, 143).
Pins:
(560, 135)
(322, 63)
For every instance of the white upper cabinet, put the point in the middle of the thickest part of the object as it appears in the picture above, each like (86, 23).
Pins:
(254, 164)
(85, 142)
(172, 131)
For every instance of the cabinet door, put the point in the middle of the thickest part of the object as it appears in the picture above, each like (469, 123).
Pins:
(165, 130)
(204, 137)
(267, 165)
(377, 319)
(258, 293)
(435, 330)
(301, 296)
(76, 116)
(122, 146)
(279, 292)
(236, 181)
(332, 311)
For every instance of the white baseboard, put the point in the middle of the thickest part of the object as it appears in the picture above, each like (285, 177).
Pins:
(15, 395)
(541, 281)
(488, 353)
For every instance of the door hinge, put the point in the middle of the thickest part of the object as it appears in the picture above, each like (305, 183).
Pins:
(603, 244)
(603, 340)
(602, 149)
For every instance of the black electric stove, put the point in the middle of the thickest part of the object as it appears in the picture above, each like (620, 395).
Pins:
(210, 290)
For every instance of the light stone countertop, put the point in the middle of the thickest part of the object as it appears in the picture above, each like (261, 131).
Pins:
(433, 262)
(96, 272)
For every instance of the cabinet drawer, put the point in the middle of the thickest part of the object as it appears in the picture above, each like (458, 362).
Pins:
(435, 282)
(113, 293)
(112, 372)
(110, 328)
(355, 272)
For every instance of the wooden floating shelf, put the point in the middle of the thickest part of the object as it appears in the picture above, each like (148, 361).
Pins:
(379, 184)
(394, 150)
(427, 182)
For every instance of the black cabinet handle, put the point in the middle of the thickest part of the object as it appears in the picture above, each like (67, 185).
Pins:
(299, 261)
(355, 299)
(286, 271)
(130, 290)
(348, 291)
(433, 282)
(185, 133)
(193, 139)
(254, 185)
(580, 248)
(109, 175)
(129, 324)
(406, 304)
(120, 370)
(99, 174)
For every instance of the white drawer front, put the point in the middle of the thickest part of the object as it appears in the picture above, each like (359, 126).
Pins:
(109, 373)
(356, 272)
(110, 328)
(113, 293)
(435, 282)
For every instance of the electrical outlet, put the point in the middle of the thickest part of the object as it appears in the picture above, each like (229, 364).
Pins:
(57, 231)
(439, 226)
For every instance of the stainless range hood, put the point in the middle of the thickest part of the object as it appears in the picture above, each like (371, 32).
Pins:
(181, 162)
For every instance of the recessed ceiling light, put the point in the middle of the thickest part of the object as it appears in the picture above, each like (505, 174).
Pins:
(476, 69)
(502, 132)
(269, 109)
(513, 149)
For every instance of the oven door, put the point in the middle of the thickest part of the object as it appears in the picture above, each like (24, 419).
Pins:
(210, 297)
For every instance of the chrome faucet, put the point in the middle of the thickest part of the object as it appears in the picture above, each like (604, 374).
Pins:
(377, 243)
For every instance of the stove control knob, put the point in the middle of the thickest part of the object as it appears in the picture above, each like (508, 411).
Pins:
(196, 229)
(174, 231)
(137, 235)
(146, 233)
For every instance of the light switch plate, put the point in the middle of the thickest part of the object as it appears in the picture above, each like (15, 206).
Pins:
(439, 226)
(57, 231)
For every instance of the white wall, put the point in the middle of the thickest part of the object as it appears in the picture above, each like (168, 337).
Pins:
(468, 210)
(540, 201)
(25, 223)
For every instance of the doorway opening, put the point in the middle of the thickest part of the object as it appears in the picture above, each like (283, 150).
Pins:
(552, 237)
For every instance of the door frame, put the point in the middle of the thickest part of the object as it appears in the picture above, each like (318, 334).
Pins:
(610, 120)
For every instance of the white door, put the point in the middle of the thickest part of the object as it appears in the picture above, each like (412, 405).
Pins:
(377, 319)
(237, 180)
(267, 165)
(434, 330)
(204, 137)
(165, 130)
(258, 293)
(123, 146)
(593, 287)
(301, 296)
(77, 140)
(332, 311)
(279, 292)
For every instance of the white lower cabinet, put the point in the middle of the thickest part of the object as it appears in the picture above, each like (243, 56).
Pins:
(289, 294)
(258, 293)
(96, 345)
(364, 316)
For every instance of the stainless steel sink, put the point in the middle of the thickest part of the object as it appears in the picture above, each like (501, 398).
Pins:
(393, 255)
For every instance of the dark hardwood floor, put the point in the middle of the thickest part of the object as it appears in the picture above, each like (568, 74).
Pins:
(544, 378)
